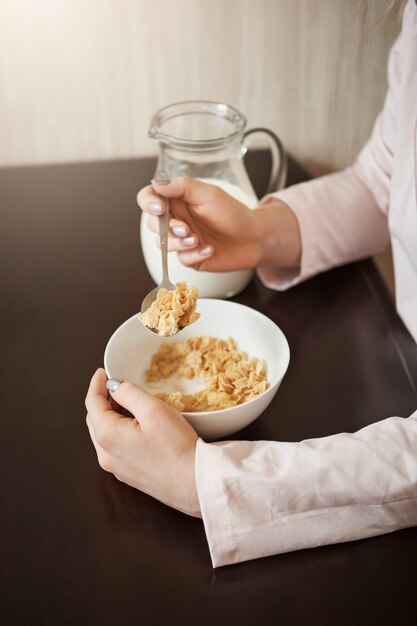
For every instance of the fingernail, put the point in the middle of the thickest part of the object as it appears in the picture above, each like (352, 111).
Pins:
(160, 178)
(155, 207)
(207, 250)
(179, 231)
(188, 241)
(113, 384)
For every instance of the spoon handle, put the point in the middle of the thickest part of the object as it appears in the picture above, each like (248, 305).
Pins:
(163, 238)
(162, 178)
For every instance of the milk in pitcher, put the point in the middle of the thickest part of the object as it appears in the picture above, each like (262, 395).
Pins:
(207, 141)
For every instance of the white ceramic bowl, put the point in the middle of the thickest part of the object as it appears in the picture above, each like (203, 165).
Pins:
(130, 348)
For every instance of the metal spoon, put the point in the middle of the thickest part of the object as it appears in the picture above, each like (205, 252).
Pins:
(161, 178)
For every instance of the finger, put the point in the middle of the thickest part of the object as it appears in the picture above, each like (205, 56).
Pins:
(137, 401)
(180, 218)
(148, 201)
(177, 228)
(189, 189)
(103, 418)
(177, 245)
(179, 237)
(97, 392)
(196, 258)
(116, 407)
(153, 224)
(103, 377)
(186, 243)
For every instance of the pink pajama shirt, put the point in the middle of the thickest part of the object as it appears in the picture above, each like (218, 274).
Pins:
(260, 498)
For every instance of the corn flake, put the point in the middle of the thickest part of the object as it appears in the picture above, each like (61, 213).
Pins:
(172, 310)
(232, 376)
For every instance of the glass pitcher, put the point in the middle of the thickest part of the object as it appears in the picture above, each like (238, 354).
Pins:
(207, 140)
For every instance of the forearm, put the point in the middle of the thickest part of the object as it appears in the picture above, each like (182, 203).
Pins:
(263, 498)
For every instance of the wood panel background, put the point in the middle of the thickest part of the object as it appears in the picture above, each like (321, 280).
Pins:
(80, 79)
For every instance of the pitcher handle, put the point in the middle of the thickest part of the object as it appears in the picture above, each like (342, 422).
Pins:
(279, 168)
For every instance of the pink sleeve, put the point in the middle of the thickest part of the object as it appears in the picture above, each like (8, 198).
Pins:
(343, 216)
(260, 498)
(263, 498)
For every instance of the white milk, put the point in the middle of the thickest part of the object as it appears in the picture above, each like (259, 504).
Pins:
(210, 284)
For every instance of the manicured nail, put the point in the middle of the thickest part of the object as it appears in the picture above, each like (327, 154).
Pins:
(161, 178)
(113, 384)
(188, 241)
(155, 207)
(206, 250)
(179, 231)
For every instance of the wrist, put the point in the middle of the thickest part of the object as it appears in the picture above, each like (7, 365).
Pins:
(278, 235)
(193, 502)
(181, 490)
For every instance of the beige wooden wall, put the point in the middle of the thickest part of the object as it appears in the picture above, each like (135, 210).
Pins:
(80, 79)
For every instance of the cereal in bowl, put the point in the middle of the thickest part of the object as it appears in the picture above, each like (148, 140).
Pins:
(232, 376)
(172, 310)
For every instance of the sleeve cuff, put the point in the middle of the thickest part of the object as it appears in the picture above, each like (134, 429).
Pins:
(213, 504)
(282, 279)
(339, 220)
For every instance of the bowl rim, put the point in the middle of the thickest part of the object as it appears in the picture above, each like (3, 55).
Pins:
(272, 384)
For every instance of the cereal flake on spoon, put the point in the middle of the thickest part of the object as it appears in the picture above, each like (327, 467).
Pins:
(172, 310)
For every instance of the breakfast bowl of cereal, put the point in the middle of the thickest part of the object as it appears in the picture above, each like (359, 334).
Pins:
(221, 372)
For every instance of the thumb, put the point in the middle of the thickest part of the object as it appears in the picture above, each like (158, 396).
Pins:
(132, 397)
(189, 189)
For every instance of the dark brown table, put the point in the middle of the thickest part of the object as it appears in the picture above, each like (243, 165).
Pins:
(80, 548)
